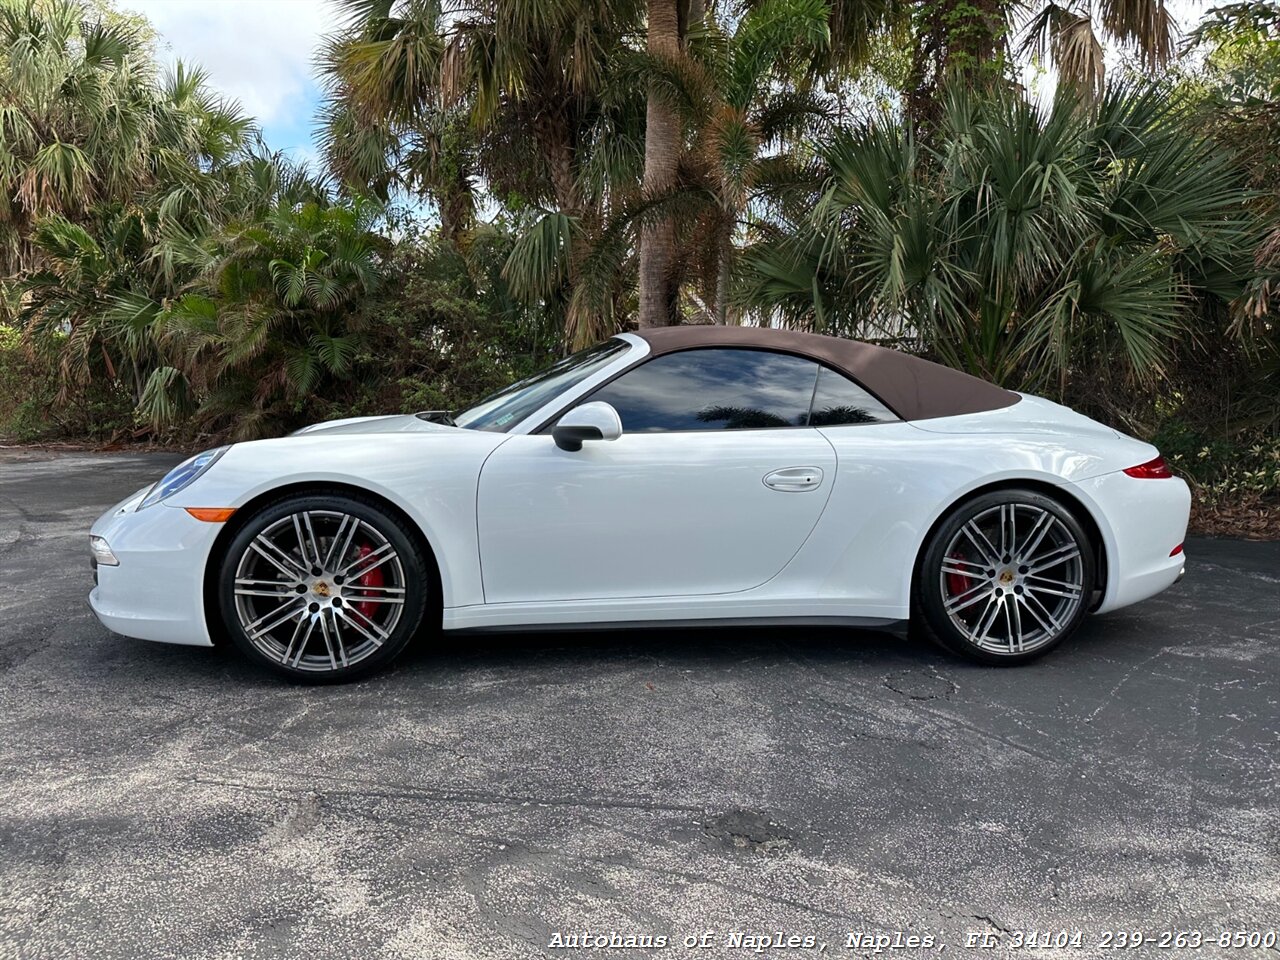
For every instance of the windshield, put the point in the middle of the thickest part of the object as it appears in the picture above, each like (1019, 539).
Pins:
(501, 411)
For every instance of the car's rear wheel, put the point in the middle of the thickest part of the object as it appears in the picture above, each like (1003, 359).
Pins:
(1006, 577)
(323, 588)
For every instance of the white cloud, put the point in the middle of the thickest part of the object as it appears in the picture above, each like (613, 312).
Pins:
(259, 52)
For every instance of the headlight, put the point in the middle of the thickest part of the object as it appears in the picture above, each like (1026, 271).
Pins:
(101, 551)
(182, 476)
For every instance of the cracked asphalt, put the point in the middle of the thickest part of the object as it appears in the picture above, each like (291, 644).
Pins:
(491, 793)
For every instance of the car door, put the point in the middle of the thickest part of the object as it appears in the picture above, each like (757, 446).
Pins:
(713, 486)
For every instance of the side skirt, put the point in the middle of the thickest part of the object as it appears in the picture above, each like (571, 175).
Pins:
(882, 624)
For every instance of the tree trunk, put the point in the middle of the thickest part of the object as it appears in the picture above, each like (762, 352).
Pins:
(662, 144)
(961, 41)
(722, 271)
(551, 130)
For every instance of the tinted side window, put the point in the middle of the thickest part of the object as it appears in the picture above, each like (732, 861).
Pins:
(838, 400)
(713, 389)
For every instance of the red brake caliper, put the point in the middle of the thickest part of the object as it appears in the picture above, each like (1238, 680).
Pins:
(957, 583)
(371, 579)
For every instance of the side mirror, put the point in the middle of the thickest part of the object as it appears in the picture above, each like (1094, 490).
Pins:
(591, 421)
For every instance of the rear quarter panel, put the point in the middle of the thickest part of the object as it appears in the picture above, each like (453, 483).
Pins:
(1146, 520)
(895, 481)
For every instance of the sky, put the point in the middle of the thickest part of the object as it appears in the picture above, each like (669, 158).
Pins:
(261, 53)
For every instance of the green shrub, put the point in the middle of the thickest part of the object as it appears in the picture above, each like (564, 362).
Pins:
(31, 406)
(1220, 467)
(28, 388)
(442, 333)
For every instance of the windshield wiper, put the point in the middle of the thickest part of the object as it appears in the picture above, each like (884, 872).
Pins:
(437, 416)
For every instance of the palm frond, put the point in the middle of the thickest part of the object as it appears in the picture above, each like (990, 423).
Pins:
(539, 262)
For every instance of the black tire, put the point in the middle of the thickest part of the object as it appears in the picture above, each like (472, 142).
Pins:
(323, 588)
(989, 590)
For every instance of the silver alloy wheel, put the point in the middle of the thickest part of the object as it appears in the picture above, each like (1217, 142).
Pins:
(319, 590)
(1012, 578)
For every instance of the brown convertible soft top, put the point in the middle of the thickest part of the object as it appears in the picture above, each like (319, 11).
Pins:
(914, 389)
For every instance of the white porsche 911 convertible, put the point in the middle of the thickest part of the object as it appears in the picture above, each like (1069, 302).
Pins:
(672, 476)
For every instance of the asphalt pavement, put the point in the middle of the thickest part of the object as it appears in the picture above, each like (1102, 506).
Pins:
(496, 796)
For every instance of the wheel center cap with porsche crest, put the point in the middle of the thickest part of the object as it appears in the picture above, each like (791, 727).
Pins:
(1006, 576)
(320, 588)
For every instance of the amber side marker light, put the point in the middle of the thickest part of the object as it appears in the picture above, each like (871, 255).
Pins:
(211, 514)
(1155, 469)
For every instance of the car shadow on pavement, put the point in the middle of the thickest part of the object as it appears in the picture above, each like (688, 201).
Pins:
(460, 653)
(708, 648)
(702, 646)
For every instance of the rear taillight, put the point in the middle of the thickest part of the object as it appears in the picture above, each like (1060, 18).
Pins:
(1176, 550)
(1155, 469)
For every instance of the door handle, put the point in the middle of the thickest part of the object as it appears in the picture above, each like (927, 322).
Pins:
(794, 479)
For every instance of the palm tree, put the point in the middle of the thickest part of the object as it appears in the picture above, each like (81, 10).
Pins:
(663, 145)
(99, 157)
(271, 317)
(725, 108)
(1019, 242)
(748, 99)
(963, 41)
(139, 289)
(551, 107)
(84, 279)
(1071, 34)
(528, 77)
(967, 41)
(538, 101)
(1239, 86)
(86, 121)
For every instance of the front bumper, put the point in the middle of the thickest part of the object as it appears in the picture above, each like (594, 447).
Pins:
(157, 590)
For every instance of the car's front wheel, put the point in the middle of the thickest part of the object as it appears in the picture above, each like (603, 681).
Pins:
(323, 587)
(1006, 577)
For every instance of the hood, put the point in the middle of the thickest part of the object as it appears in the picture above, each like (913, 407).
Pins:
(397, 423)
